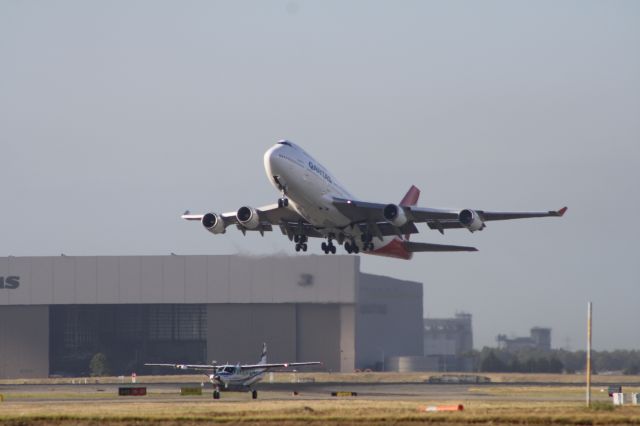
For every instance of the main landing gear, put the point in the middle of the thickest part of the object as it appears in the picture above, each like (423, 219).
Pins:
(301, 242)
(351, 247)
(328, 247)
(367, 242)
(216, 394)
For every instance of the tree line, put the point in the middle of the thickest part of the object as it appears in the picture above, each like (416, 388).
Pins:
(556, 361)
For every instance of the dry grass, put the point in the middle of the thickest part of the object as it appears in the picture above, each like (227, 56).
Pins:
(307, 412)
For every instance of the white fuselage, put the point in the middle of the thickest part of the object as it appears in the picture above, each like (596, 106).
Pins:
(230, 377)
(311, 189)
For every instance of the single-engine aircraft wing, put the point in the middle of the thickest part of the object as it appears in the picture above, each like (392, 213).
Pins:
(281, 365)
(201, 367)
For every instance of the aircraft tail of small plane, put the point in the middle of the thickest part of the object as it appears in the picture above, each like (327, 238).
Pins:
(263, 356)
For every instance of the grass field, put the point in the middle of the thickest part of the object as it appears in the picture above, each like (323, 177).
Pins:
(305, 412)
(530, 404)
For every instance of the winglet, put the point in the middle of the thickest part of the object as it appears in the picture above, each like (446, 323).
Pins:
(561, 212)
(411, 197)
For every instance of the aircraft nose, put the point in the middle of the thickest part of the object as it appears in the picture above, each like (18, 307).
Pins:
(272, 160)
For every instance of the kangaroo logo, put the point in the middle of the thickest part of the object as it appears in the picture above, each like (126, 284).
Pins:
(305, 280)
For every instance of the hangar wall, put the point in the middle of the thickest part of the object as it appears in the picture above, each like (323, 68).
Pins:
(179, 279)
(389, 320)
(294, 332)
(24, 341)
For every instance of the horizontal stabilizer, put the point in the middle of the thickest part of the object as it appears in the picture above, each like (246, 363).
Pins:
(412, 246)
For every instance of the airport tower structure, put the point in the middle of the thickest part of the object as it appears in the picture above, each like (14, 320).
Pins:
(449, 342)
(56, 313)
(539, 339)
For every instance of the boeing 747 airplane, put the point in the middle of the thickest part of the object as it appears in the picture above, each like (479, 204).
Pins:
(314, 204)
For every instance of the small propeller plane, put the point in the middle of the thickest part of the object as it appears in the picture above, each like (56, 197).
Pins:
(314, 204)
(240, 377)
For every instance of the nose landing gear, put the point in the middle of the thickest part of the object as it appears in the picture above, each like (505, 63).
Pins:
(283, 202)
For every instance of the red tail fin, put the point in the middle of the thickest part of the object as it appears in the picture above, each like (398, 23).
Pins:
(411, 197)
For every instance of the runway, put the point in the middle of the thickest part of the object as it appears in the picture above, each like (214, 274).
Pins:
(170, 392)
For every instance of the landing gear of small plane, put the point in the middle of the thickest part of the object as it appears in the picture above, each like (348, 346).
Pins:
(216, 394)
(328, 247)
(301, 242)
(283, 202)
(351, 247)
(254, 394)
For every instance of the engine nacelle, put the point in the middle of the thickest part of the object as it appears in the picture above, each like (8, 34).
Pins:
(213, 223)
(470, 219)
(394, 215)
(248, 217)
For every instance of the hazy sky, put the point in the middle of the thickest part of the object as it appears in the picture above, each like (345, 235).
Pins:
(116, 116)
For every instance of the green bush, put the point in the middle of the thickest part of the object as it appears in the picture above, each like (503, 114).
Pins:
(98, 365)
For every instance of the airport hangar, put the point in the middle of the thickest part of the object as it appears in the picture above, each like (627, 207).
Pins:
(56, 313)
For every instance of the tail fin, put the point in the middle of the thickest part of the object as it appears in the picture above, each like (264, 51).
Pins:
(410, 199)
(263, 357)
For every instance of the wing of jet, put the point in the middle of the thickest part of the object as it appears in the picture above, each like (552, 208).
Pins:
(401, 218)
(259, 219)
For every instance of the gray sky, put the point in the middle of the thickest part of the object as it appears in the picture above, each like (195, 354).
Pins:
(115, 116)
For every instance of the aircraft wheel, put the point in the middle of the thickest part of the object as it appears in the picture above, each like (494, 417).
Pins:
(347, 247)
(324, 247)
(297, 247)
(356, 250)
(285, 202)
(216, 394)
(254, 394)
(333, 249)
(304, 247)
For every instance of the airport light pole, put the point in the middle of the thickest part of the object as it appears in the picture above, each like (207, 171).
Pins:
(589, 313)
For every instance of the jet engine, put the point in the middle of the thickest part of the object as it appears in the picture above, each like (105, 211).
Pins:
(470, 219)
(248, 217)
(213, 223)
(394, 215)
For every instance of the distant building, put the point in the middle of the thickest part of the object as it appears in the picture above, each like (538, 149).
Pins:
(448, 342)
(540, 339)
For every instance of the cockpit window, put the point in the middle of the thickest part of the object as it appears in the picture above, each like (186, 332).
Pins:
(285, 143)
